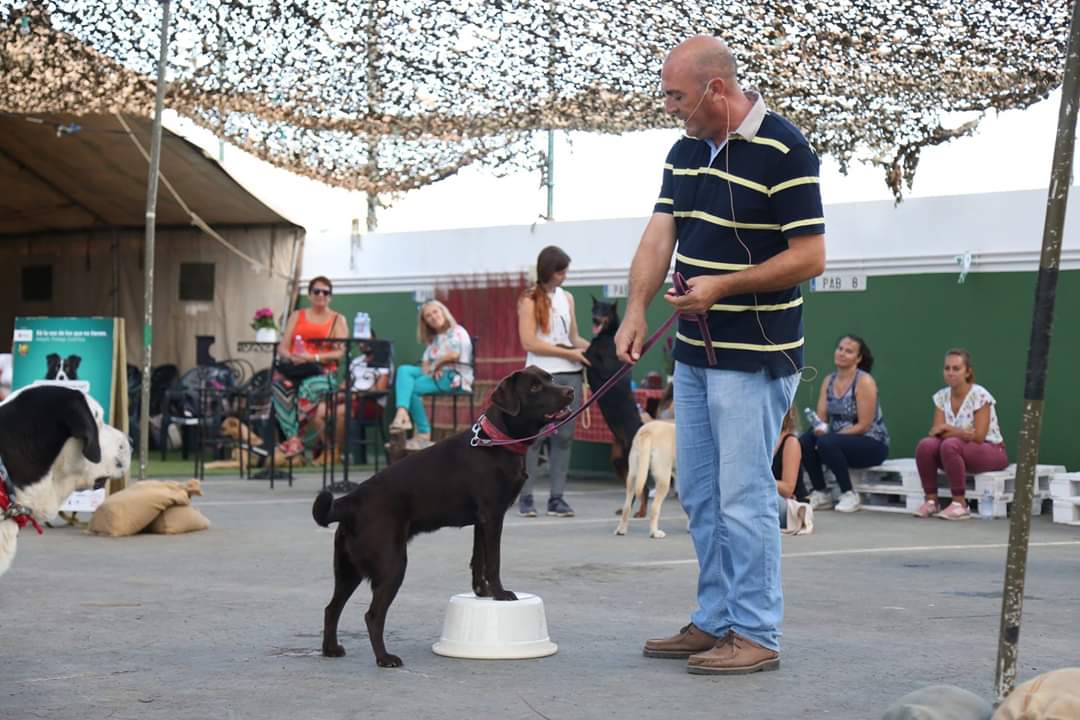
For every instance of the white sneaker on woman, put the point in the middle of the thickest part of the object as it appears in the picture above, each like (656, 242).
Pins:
(821, 500)
(848, 502)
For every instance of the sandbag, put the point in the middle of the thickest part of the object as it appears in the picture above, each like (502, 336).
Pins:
(134, 508)
(179, 519)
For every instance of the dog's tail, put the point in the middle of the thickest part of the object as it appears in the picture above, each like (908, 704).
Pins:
(323, 509)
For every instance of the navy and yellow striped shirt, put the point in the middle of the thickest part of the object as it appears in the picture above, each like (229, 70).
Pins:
(772, 174)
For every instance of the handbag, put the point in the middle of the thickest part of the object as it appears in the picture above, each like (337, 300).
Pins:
(299, 371)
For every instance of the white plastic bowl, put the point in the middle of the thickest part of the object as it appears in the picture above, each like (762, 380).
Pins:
(486, 629)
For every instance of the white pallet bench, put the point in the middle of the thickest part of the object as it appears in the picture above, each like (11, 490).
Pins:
(1067, 511)
(1065, 492)
(894, 486)
(1065, 486)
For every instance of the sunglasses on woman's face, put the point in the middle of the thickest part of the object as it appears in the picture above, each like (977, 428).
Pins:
(321, 291)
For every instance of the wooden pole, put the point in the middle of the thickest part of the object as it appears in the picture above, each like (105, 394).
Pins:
(1012, 599)
(148, 265)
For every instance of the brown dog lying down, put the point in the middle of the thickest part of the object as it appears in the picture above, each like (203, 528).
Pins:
(451, 484)
(237, 430)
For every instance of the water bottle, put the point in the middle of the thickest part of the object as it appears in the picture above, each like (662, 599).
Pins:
(362, 325)
(298, 346)
(986, 505)
(815, 422)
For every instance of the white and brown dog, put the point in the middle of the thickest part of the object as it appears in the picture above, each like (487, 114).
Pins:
(653, 450)
(53, 441)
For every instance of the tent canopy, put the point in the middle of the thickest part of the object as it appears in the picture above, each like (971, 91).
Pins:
(389, 95)
(62, 172)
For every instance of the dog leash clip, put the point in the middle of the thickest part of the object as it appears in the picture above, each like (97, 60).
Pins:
(475, 442)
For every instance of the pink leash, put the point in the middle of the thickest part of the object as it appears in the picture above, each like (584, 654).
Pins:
(681, 288)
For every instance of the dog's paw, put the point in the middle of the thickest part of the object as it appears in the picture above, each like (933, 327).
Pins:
(504, 595)
(481, 590)
(658, 534)
(620, 530)
(335, 651)
(388, 660)
(642, 512)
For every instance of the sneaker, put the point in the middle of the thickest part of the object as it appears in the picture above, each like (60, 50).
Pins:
(955, 511)
(820, 500)
(928, 509)
(558, 507)
(848, 502)
(418, 443)
(526, 507)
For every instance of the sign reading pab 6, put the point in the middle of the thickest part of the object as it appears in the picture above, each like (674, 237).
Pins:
(838, 282)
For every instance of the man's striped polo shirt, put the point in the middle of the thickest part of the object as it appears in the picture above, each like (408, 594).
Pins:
(771, 174)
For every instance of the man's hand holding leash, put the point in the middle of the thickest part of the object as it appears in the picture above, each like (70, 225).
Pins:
(702, 291)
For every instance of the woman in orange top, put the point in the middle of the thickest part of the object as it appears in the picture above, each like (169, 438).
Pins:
(306, 371)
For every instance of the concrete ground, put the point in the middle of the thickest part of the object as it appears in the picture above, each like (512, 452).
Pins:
(227, 623)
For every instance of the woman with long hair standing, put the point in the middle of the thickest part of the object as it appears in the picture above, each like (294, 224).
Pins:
(549, 334)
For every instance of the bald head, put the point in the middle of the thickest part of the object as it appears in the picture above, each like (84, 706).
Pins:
(706, 57)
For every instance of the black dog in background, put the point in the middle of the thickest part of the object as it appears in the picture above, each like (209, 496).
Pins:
(617, 405)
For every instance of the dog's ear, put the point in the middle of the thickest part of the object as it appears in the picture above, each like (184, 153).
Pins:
(81, 424)
(505, 398)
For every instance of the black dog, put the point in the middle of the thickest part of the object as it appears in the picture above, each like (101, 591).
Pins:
(68, 367)
(617, 405)
(451, 484)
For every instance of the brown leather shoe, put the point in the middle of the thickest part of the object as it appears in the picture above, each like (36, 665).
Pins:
(734, 656)
(691, 639)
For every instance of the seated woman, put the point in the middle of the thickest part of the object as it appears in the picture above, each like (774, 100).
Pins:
(305, 370)
(853, 433)
(446, 366)
(787, 466)
(964, 437)
(370, 374)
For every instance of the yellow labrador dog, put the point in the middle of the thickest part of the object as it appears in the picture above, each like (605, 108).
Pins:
(653, 450)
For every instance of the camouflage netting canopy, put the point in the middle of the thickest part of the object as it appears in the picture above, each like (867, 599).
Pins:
(390, 95)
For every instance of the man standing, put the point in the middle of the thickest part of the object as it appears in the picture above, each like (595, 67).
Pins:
(740, 207)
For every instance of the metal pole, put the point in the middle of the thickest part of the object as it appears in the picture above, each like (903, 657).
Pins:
(1038, 355)
(148, 265)
(551, 176)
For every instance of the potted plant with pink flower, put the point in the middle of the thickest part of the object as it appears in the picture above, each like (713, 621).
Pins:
(266, 329)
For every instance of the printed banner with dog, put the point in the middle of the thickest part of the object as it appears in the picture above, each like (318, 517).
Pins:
(77, 352)
(84, 353)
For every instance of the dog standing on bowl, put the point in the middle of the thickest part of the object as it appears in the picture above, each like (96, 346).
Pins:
(450, 484)
(53, 441)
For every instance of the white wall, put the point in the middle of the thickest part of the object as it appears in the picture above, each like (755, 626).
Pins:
(1003, 231)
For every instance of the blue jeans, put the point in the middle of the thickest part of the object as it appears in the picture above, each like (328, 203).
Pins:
(410, 383)
(838, 453)
(728, 422)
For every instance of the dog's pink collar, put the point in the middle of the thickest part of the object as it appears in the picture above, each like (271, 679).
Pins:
(497, 437)
(11, 510)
